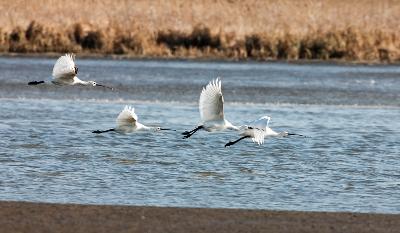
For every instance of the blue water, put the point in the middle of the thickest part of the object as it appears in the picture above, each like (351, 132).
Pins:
(349, 162)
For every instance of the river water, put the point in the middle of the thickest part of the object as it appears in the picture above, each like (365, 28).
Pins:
(350, 160)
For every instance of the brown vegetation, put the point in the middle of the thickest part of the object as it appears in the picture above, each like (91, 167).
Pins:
(366, 30)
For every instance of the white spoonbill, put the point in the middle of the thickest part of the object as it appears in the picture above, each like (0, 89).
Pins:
(127, 122)
(65, 71)
(258, 130)
(211, 106)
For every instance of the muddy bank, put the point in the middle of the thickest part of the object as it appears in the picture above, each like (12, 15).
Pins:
(39, 217)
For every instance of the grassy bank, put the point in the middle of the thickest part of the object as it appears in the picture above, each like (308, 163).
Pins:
(365, 30)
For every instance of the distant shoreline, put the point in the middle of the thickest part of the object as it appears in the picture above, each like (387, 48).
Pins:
(41, 217)
(54, 55)
(207, 29)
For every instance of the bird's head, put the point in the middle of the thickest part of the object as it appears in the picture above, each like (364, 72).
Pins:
(93, 83)
(157, 128)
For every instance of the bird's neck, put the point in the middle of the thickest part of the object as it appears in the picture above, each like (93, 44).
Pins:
(140, 126)
(81, 82)
(230, 126)
(282, 134)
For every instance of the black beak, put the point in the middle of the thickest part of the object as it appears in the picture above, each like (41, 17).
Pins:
(167, 129)
(295, 134)
(104, 86)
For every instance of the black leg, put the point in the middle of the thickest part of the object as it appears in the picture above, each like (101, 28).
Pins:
(188, 134)
(35, 82)
(103, 131)
(234, 142)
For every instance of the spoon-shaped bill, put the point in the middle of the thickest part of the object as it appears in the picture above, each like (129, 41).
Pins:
(100, 85)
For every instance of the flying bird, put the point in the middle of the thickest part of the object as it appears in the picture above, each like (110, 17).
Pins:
(211, 107)
(127, 122)
(65, 71)
(258, 131)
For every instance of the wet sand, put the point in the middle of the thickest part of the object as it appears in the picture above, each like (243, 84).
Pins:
(40, 217)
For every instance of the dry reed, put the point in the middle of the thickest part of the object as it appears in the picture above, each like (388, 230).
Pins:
(365, 30)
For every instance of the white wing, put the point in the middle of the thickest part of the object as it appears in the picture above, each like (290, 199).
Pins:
(260, 129)
(64, 69)
(127, 117)
(261, 123)
(211, 104)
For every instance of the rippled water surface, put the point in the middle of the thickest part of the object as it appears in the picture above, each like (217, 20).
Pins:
(349, 162)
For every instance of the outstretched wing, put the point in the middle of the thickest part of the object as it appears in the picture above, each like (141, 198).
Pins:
(261, 123)
(259, 136)
(260, 129)
(211, 104)
(127, 117)
(64, 68)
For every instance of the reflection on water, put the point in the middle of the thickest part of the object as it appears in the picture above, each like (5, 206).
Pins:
(349, 163)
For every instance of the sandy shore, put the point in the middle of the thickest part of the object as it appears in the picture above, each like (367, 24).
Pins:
(39, 217)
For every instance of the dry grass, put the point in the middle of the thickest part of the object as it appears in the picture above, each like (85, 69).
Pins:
(367, 30)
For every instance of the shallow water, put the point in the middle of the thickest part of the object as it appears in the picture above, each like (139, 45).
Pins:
(349, 162)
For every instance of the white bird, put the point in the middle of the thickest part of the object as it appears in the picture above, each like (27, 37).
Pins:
(65, 71)
(127, 122)
(211, 106)
(258, 131)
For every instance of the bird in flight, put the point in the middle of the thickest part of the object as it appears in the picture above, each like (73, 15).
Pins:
(127, 122)
(258, 131)
(211, 107)
(65, 71)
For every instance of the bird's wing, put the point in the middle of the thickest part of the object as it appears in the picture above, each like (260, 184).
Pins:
(259, 135)
(260, 129)
(127, 117)
(211, 104)
(64, 67)
(261, 123)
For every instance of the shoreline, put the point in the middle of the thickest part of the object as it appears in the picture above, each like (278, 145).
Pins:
(232, 30)
(100, 56)
(18, 216)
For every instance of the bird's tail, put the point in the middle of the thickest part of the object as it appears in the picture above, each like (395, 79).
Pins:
(103, 131)
(35, 82)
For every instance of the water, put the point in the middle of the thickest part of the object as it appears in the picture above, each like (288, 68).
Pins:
(350, 162)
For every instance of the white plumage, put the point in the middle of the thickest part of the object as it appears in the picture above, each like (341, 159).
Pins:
(127, 118)
(127, 122)
(211, 103)
(258, 130)
(211, 107)
(64, 69)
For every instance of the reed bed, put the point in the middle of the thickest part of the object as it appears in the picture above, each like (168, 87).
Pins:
(365, 30)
